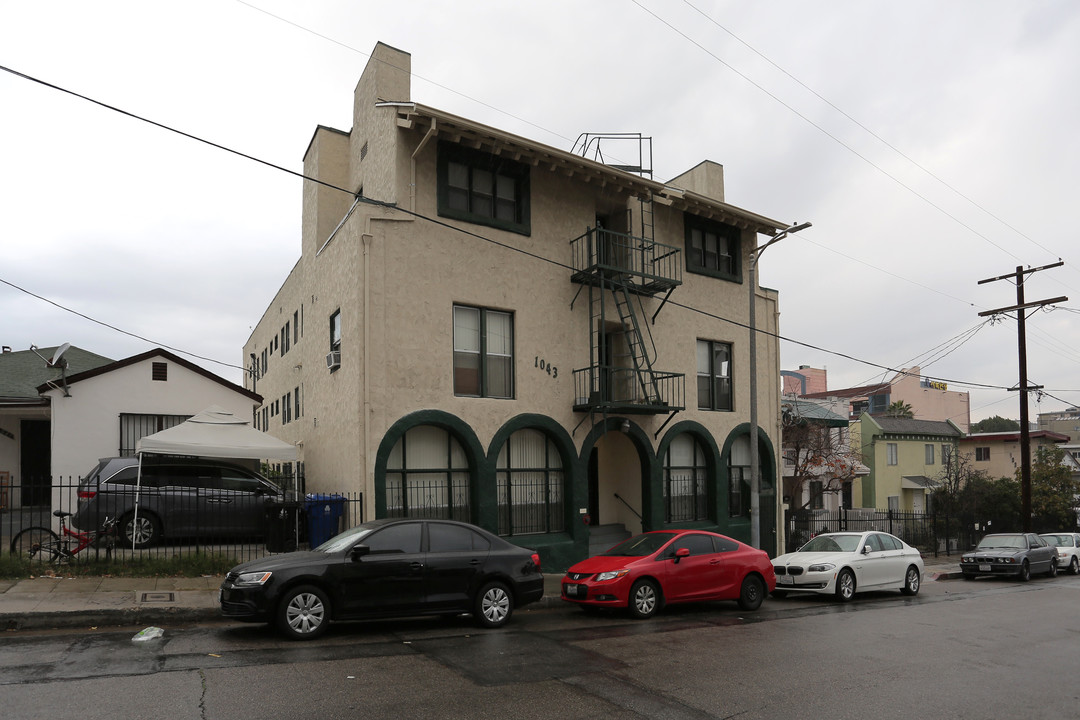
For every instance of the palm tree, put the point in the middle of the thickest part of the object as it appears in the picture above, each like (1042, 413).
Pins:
(899, 409)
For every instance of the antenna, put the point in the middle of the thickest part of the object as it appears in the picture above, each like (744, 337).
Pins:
(56, 361)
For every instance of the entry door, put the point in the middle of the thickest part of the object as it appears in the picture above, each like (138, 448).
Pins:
(594, 487)
(35, 451)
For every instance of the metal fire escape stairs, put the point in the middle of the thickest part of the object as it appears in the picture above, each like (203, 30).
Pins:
(619, 270)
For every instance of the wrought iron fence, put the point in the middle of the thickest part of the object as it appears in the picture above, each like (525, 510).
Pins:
(173, 521)
(931, 533)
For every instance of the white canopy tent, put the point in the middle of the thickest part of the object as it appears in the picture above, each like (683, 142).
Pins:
(213, 433)
(216, 433)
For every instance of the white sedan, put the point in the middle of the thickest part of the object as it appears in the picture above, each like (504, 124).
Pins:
(1068, 550)
(846, 563)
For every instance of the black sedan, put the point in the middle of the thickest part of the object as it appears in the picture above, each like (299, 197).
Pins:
(1019, 554)
(386, 568)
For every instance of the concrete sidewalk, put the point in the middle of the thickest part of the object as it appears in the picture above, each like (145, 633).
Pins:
(89, 602)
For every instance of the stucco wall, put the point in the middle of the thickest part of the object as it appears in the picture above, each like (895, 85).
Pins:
(86, 426)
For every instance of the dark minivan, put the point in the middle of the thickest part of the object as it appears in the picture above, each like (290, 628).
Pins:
(178, 497)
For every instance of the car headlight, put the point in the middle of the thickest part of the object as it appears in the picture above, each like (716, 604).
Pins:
(820, 567)
(611, 575)
(252, 579)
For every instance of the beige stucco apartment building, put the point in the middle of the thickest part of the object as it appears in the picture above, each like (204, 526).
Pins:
(487, 328)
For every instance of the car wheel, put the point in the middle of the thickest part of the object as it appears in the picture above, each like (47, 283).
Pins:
(845, 585)
(303, 613)
(1025, 571)
(644, 599)
(779, 594)
(493, 605)
(1052, 572)
(752, 593)
(1074, 566)
(912, 580)
(145, 528)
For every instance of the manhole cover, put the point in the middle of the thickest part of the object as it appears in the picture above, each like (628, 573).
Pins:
(157, 597)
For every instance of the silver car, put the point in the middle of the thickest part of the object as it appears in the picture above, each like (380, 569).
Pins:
(177, 497)
(1016, 554)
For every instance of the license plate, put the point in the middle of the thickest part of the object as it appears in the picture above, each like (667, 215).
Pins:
(984, 568)
(572, 590)
(786, 580)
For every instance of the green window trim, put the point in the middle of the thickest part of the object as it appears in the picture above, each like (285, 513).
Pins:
(482, 188)
(713, 248)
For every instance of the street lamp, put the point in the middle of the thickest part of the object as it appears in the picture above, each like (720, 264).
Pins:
(755, 462)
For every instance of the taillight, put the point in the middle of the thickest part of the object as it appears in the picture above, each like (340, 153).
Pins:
(87, 494)
(536, 561)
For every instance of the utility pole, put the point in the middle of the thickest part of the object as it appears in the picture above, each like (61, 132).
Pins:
(755, 461)
(1021, 334)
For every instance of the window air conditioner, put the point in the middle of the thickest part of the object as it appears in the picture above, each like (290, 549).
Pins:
(333, 359)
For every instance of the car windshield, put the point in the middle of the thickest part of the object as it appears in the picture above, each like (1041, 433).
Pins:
(640, 545)
(1009, 542)
(832, 543)
(1059, 540)
(345, 540)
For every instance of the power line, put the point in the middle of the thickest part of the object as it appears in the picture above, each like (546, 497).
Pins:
(394, 208)
(828, 134)
(113, 327)
(873, 134)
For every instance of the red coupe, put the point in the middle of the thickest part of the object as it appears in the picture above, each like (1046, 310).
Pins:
(664, 567)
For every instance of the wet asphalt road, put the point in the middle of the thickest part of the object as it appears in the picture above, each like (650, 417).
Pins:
(983, 649)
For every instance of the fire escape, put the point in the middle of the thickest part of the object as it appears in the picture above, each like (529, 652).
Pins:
(618, 271)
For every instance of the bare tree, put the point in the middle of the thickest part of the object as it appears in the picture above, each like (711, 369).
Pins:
(815, 453)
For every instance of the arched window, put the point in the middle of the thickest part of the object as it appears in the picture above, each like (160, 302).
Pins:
(739, 477)
(530, 485)
(427, 476)
(685, 493)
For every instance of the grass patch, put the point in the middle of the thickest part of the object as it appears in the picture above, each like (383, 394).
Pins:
(194, 564)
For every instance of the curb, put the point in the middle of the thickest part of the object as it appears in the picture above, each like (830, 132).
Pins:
(106, 618)
(86, 619)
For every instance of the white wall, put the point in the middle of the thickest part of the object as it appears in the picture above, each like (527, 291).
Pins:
(86, 426)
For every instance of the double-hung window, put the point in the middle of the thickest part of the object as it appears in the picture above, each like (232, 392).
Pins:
(713, 248)
(892, 456)
(714, 375)
(483, 352)
(929, 453)
(483, 188)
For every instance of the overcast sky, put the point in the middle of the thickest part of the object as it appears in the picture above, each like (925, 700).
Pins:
(932, 145)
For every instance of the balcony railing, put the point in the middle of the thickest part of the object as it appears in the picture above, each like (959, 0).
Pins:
(645, 266)
(620, 389)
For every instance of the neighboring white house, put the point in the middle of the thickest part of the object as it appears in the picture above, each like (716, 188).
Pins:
(104, 411)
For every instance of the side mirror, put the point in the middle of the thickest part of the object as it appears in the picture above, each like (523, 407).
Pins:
(359, 551)
(681, 553)
(867, 550)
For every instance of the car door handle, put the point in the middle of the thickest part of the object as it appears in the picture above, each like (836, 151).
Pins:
(416, 566)
(474, 561)
(714, 562)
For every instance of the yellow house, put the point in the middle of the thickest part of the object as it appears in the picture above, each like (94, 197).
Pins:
(905, 456)
(483, 327)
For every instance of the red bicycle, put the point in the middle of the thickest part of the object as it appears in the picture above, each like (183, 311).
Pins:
(40, 545)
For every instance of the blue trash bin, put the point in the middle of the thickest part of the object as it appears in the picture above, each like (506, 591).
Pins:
(324, 516)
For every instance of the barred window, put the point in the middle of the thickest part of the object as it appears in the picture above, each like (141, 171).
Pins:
(427, 476)
(685, 495)
(530, 485)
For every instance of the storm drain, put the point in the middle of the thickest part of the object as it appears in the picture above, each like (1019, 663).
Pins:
(157, 597)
